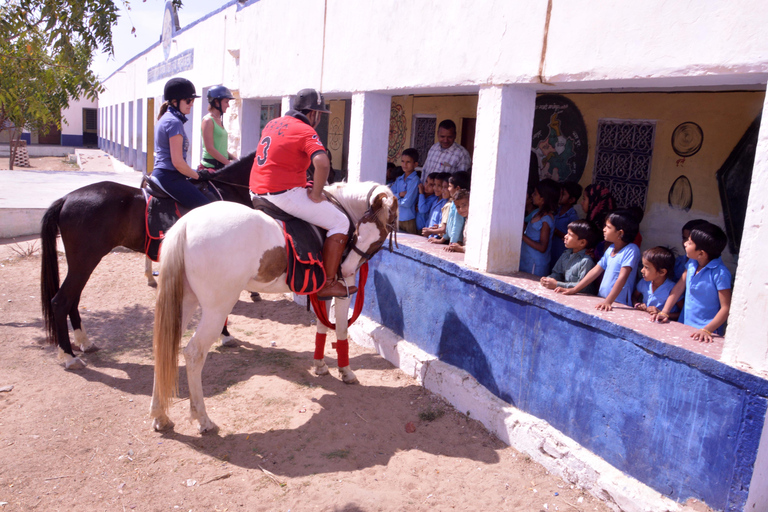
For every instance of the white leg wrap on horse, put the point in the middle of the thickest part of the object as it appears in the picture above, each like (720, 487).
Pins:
(82, 341)
(228, 341)
(71, 363)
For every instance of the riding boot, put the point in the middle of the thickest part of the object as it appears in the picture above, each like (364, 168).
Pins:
(333, 249)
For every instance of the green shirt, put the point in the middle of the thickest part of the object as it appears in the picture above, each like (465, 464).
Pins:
(220, 143)
(571, 268)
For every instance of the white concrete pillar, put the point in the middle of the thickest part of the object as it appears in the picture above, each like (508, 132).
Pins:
(746, 339)
(250, 126)
(499, 177)
(285, 104)
(368, 137)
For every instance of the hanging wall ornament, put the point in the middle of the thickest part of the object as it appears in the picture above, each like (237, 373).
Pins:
(681, 194)
(687, 139)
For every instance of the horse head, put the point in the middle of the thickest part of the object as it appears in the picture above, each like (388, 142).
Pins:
(377, 223)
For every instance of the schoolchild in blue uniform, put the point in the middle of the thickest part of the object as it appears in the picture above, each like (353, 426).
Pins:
(537, 237)
(682, 261)
(171, 145)
(570, 192)
(406, 189)
(436, 213)
(653, 289)
(427, 199)
(706, 282)
(618, 264)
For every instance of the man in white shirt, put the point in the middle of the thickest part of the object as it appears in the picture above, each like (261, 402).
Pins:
(446, 155)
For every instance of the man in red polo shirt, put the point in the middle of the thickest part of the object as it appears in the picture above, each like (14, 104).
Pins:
(288, 145)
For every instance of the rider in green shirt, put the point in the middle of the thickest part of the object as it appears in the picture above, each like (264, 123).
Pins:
(215, 138)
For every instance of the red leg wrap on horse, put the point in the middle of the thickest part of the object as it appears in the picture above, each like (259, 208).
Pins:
(320, 345)
(342, 351)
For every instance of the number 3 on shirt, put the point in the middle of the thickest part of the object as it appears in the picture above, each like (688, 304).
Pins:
(261, 157)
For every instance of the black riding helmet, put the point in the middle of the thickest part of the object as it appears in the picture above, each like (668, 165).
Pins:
(218, 93)
(179, 89)
(310, 99)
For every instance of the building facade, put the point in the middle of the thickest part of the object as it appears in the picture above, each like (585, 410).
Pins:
(661, 103)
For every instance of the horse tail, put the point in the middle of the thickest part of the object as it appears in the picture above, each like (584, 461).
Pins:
(168, 315)
(49, 274)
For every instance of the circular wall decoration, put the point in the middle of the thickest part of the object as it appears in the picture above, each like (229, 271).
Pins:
(687, 139)
(559, 147)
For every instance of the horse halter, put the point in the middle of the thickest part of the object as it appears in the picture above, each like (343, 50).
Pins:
(388, 228)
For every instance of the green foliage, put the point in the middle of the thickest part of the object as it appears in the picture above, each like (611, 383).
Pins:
(46, 49)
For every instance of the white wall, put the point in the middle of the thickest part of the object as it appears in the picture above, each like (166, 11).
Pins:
(73, 115)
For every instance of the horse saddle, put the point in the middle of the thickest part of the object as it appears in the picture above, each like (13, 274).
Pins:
(162, 212)
(304, 247)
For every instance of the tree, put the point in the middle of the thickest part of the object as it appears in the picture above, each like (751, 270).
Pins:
(46, 50)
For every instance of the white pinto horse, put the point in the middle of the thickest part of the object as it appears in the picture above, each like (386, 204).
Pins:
(216, 251)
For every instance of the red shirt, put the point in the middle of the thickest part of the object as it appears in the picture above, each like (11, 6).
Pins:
(284, 154)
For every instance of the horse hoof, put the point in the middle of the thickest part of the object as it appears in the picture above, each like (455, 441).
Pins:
(161, 424)
(255, 297)
(75, 364)
(90, 349)
(228, 341)
(151, 283)
(348, 376)
(207, 427)
(320, 367)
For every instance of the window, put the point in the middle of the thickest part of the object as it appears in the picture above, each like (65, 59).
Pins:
(423, 135)
(623, 159)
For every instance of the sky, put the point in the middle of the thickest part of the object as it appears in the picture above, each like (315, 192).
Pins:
(147, 17)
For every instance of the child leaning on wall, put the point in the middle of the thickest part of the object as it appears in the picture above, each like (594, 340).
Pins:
(456, 228)
(682, 261)
(570, 192)
(436, 214)
(653, 289)
(706, 282)
(619, 263)
(453, 223)
(427, 200)
(574, 263)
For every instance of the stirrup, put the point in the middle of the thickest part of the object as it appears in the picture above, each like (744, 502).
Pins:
(328, 284)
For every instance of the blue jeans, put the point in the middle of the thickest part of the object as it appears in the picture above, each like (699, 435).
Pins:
(177, 185)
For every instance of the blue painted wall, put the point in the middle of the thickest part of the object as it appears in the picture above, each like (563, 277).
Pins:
(682, 423)
(27, 137)
(71, 140)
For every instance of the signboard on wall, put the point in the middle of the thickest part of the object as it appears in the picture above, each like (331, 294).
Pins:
(184, 61)
(559, 143)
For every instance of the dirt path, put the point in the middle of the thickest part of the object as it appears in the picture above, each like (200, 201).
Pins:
(288, 440)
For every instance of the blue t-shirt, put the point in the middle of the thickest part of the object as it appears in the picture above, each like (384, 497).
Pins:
(702, 301)
(454, 228)
(407, 204)
(561, 224)
(533, 261)
(424, 208)
(629, 256)
(436, 215)
(656, 298)
(168, 126)
(680, 263)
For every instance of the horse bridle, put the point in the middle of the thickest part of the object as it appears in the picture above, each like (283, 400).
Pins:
(370, 215)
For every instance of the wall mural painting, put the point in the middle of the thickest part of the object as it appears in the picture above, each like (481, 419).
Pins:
(559, 148)
(397, 129)
(734, 179)
(681, 194)
(335, 133)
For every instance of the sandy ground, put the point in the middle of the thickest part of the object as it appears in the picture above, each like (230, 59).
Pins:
(288, 440)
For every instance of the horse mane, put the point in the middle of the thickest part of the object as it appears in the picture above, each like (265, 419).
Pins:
(238, 172)
(357, 198)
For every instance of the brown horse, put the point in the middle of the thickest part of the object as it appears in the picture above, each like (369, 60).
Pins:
(92, 221)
